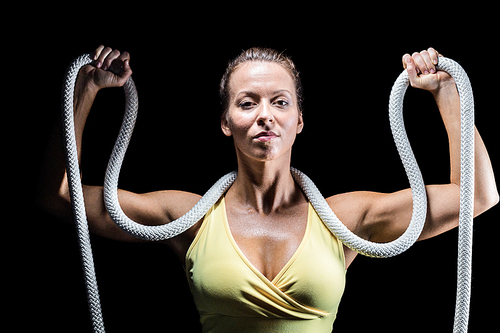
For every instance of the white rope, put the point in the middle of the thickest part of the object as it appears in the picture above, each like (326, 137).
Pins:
(76, 193)
(155, 233)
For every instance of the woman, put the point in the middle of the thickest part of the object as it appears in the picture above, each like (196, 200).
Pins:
(287, 269)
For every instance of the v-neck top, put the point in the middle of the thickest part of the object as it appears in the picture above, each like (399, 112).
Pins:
(232, 295)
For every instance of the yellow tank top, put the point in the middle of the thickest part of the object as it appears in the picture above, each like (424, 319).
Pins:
(231, 295)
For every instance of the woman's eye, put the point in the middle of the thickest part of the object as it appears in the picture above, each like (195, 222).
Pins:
(281, 103)
(245, 105)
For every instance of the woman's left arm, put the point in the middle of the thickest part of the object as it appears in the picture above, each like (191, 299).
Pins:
(386, 213)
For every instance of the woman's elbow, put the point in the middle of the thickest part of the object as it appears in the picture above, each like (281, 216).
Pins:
(55, 201)
(494, 199)
(485, 202)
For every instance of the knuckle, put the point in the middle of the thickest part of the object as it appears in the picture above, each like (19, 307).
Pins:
(434, 54)
(114, 54)
(111, 57)
(106, 51)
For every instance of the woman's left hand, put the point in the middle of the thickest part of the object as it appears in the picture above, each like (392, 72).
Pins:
(422, 71)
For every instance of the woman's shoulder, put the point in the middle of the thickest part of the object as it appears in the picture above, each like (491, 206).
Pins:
(352, 207)
(174, 205)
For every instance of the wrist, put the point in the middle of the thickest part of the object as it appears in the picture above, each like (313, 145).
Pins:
(445, 87)
(84, 87)
(448, 102)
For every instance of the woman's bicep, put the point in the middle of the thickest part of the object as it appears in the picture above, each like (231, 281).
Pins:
(383, 217)
(392, 213)
(154, 208)
(99, 221)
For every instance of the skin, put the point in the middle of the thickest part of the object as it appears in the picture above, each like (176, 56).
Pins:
(267, 211)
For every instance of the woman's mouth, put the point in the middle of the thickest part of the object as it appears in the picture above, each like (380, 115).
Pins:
(265, 136)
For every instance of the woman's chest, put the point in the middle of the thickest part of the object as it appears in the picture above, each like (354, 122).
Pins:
(268, 242)
(307, 281)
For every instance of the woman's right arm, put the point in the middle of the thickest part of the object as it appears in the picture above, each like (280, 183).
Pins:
(112, 69)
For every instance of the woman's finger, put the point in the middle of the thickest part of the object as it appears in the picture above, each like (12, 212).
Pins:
(100, 59)
(121, 65)
(434, 55)
(110, 58)
(405, 57)
(420, 63)
(97, 52)
(124, 57)
(411, 70)
(426, 57)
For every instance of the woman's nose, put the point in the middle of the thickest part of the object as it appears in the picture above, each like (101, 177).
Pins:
(265, 116)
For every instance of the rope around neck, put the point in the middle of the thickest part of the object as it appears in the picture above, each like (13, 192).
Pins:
(379, 250)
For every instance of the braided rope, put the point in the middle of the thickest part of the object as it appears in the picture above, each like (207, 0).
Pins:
(379, 250)
(76, 193)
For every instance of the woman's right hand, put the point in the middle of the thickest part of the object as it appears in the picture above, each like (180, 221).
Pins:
(111, 68)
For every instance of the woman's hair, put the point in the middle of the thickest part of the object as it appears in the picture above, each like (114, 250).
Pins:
(259, 54)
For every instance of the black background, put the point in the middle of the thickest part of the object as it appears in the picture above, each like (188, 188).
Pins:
(348, 59)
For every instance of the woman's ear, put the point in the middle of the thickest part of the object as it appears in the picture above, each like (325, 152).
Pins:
(300, 123)
(224, 124)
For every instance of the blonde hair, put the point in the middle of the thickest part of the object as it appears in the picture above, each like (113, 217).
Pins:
(259, 54)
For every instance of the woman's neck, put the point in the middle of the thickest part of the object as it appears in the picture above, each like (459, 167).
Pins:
(265, 186)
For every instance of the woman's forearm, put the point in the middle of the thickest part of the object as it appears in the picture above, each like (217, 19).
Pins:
(53, 191)
(448, 102)
(83, 99)
(486, 193)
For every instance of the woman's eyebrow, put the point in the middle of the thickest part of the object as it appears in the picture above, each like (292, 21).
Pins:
(247, 93)
(277, 92)
(255, 95)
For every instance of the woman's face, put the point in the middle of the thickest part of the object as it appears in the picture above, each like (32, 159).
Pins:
(262, 117)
